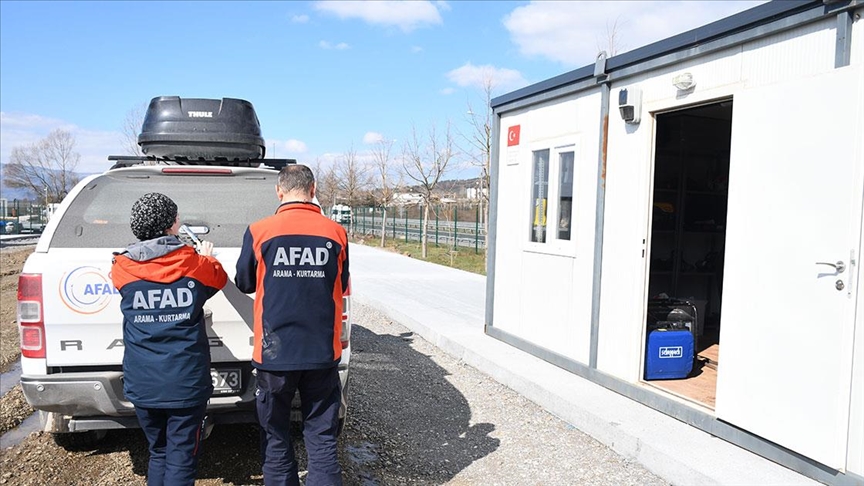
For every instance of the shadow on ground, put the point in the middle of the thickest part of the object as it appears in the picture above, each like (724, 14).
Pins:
(414, 424)
(406, 424)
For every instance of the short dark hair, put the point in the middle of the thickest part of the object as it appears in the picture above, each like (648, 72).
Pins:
(296, 177)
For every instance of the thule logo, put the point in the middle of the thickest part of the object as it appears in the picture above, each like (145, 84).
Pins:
(200, 114)
(671, 352)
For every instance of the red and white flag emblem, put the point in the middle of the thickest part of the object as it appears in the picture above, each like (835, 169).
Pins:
(513, 135)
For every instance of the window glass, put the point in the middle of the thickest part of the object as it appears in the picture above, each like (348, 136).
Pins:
(565, 194)
(225, 205)
(539, 194)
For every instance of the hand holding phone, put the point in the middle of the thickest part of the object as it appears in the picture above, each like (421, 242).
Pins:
(203, 247)
(192, 235)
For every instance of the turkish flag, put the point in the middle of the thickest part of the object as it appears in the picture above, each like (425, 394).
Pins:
(513, 135)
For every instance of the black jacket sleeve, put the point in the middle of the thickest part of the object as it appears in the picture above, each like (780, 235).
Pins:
(346, 275)
(247, 265)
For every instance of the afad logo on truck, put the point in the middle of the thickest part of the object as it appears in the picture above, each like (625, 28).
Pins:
(86, 290)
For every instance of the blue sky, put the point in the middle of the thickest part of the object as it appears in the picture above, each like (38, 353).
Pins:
(324, 77)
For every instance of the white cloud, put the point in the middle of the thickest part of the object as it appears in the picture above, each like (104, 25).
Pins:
(339, 47)
(442, 5)
(285, 148)
(295, 146)
(477, 76)
(416, 49)
(27, 120)
(572, 33)
(407, 16)
(372, 137)
(447, 91)
(300, 19)
(94, 146)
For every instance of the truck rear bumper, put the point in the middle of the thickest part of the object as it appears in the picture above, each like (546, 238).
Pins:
(94, 400)
(78, 393)
(94, 394)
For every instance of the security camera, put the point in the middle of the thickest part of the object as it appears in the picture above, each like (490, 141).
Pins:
(630, 104)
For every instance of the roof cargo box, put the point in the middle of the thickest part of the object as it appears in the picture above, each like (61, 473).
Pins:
(201, 129)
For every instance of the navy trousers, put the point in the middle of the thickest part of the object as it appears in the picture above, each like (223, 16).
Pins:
(174, 435)
(319, 403)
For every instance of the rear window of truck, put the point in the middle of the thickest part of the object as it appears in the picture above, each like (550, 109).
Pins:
(99, 216)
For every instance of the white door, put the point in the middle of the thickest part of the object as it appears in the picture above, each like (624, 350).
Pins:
(795, 199)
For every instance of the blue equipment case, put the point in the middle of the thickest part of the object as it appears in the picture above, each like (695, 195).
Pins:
(669, 354)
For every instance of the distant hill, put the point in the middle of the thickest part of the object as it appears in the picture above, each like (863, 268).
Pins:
(11, 194)
(453, 188)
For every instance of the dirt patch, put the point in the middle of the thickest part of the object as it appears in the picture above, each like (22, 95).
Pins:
(13, 409)
(12, 262)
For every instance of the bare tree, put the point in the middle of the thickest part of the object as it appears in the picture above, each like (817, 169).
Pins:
(46, 167)
(326, 183)
(387, 182)
(424, 161)
(480, 146)
(352, 179)
(132, 127)
(612, 42)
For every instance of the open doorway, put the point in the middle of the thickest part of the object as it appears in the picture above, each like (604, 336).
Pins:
(688, 233)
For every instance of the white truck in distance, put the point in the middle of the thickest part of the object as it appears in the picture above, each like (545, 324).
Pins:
(341, 213)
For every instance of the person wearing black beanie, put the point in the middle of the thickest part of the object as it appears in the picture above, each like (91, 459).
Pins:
(152, 215)
(163, 285)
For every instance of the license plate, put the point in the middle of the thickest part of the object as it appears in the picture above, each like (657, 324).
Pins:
(225, 381)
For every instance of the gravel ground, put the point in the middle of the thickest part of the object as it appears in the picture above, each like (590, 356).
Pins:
(416, 416)
(13, 409)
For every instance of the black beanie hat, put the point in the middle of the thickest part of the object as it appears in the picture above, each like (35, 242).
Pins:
(152, 214)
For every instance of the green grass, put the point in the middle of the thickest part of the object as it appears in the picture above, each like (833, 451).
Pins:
(463, 258)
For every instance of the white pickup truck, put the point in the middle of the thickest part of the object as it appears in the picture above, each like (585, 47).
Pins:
(69, 312)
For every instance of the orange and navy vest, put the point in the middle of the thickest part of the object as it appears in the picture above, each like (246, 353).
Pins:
(296, 262)
(163, 286)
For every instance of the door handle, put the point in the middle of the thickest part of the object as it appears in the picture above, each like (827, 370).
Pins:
(839, 267)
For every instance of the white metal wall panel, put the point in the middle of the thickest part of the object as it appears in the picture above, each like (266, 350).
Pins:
(621, 312)
(715, 72)
(800, 52)
(562, 277)
(546, 305)
(508, 242)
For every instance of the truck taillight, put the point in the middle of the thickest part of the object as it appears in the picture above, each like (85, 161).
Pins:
(30, 319)
(345, 337)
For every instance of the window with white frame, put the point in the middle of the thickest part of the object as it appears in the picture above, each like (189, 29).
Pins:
(552, 208)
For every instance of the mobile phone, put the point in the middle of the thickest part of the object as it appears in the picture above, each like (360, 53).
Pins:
(192, 235)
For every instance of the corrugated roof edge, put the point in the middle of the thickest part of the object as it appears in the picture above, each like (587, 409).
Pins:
(761, 14)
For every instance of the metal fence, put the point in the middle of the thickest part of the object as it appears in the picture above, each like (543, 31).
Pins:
(22, 217)
(449, 225)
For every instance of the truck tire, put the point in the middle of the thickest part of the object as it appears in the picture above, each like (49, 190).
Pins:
(79, 441)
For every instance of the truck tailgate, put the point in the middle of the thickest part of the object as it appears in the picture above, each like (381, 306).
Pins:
(83, 322)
